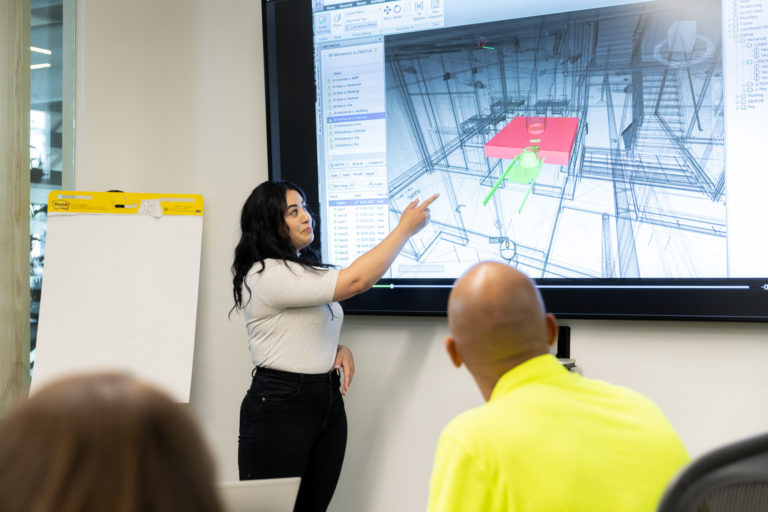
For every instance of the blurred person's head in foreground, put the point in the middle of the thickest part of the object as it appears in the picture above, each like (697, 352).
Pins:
(103, 442)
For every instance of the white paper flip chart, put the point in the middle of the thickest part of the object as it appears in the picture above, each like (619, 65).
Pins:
(120, 284)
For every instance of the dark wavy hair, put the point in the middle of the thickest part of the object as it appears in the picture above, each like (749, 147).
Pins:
(265, 235)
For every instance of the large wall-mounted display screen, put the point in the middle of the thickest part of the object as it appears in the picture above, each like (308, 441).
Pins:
(609, 149)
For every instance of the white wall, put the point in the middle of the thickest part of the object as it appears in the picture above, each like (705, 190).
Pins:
(170, 98)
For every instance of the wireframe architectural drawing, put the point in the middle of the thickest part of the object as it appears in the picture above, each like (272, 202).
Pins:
(581, 144)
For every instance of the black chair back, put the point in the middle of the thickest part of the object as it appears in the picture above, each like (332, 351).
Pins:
(733, 478)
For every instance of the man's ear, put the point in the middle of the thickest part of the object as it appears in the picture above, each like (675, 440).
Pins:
(453, 352)
(551, 329)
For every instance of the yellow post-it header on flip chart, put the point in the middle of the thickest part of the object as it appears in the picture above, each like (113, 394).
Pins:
(155, 205)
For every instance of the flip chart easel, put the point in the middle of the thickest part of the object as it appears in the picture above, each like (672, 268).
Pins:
(120, 284)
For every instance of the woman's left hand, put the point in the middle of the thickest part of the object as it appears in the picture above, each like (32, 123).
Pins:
(346, 362)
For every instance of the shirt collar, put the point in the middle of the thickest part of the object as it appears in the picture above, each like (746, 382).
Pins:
(535, 369)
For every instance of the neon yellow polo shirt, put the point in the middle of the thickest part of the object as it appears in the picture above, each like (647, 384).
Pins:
(552, 440)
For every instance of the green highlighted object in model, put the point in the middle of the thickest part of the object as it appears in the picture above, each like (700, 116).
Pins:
(523, 169)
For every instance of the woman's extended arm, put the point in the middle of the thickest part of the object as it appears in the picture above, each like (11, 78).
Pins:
(369, 267)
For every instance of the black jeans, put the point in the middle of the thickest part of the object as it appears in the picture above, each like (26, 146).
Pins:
(294, 424)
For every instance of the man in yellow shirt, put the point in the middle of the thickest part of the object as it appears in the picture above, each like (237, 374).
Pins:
(547, 439)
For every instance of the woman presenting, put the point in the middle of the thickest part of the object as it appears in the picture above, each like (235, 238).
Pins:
(292, 419)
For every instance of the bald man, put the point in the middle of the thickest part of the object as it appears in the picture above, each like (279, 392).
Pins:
(546, 439)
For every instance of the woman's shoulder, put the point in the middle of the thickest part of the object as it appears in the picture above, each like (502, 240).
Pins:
(281, 266)
(261, 266)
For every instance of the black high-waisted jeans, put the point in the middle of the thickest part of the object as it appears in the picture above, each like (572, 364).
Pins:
(294, 424)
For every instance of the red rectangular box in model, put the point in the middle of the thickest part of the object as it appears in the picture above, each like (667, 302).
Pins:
(554, 137)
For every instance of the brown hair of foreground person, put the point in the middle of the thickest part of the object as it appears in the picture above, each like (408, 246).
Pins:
(103, 442)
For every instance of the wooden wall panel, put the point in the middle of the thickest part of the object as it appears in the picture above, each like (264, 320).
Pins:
(14, 201)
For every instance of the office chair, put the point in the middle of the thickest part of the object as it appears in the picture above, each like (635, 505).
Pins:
(733, 478)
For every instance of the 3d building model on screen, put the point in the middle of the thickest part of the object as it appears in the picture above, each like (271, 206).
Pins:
(528, 141)
(580, 144)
